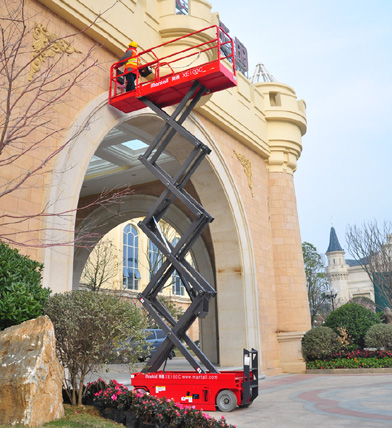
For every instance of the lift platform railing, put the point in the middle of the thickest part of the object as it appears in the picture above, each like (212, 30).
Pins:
(215, 46)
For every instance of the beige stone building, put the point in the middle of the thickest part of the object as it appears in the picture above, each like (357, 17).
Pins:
(251, 253)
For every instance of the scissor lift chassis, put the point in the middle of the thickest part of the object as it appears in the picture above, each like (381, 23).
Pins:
(205, 391)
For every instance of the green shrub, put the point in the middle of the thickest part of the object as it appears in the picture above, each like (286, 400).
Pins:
(319, 342)
(22, 296)
(87, 326)
(379, 336)
(355, 319)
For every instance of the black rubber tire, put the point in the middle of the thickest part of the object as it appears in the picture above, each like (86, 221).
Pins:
(226, 401)
(246, 405)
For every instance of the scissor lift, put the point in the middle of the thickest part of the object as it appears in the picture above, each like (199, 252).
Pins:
(206, 387)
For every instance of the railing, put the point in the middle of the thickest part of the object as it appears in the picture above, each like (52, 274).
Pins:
(218, 48)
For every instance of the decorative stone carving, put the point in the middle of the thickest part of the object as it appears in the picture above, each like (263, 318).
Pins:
(46, 45)
(247, 165)
(30, 374)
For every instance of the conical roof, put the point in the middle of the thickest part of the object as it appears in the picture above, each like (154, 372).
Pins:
(334, 242)
(261, 74)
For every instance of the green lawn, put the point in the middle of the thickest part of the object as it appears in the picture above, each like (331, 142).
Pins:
(77, 417)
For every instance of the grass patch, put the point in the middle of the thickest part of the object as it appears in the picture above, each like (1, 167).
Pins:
(77, 417)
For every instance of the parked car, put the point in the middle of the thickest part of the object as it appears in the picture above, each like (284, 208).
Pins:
(153, 338)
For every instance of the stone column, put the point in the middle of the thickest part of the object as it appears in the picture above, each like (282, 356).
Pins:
(286, 124)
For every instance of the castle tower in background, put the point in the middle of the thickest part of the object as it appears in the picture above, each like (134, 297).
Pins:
(337, 269)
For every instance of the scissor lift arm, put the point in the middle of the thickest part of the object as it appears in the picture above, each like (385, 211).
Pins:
(198, 289)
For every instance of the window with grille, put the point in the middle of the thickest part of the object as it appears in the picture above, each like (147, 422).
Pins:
(131, 274)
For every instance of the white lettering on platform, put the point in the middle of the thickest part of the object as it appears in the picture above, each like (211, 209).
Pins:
(160, 83)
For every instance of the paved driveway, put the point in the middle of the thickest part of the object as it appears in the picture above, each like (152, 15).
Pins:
(318, 401)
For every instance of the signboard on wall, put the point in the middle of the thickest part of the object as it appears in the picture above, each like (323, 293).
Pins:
(241, 53)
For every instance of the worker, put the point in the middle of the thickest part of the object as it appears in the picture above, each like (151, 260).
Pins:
(130, 65)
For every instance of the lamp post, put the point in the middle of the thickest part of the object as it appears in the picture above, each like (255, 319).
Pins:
(332, 295)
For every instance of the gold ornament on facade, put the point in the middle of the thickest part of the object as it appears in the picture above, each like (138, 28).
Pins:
(247, 165)
(46, 46)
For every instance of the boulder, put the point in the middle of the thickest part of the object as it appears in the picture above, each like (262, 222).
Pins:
(30, 374)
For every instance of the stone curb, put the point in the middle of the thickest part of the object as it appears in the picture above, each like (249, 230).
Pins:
(349, 371)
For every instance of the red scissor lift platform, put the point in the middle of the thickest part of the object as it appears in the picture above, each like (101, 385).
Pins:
(170, 81)
(182, 78)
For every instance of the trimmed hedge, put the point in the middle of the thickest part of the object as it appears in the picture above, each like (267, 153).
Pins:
(355, 319)
(22, 296)
(379, 336)
(319, 342)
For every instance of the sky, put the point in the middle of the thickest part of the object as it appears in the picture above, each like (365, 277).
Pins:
(337, 56)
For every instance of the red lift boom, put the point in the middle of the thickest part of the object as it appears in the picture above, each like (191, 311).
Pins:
(182, 78)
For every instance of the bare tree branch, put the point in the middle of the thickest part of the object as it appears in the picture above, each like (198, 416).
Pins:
(371, 246)
(39, 73)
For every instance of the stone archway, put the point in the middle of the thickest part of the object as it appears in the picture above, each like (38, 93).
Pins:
(136, 206)
(234, 261)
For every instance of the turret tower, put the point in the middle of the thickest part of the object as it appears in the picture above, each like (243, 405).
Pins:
(337, 269)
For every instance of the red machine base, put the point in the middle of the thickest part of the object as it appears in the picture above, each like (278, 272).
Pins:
(205, 391)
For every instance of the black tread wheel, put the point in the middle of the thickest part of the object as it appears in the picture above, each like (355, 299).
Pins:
(226, 401)
(246, 405)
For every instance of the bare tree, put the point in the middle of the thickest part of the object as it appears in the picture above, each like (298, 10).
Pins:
(101, 266)
(39, 72)
(316, 282)
(371, 246)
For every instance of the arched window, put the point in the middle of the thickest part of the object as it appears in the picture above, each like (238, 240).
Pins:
(131, 274)
(155, 258)
(178, 288)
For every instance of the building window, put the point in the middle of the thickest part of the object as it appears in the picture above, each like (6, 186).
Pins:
(131, 274)
(155, 258)
(178, 288)
(182, 7)
(275, 100)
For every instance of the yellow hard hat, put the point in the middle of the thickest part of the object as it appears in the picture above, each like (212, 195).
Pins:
(133, 44)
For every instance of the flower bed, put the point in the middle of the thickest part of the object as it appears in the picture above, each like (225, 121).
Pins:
(139, 410)
(353, 359)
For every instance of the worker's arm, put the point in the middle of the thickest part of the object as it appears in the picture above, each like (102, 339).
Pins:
(127, 55)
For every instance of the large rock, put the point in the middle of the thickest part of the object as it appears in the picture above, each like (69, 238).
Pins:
(30, 374)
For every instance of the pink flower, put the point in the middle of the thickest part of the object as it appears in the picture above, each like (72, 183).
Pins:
(114, 397)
